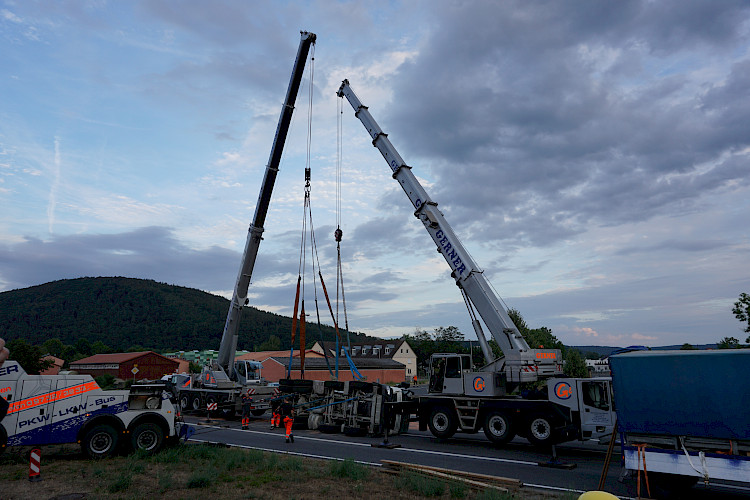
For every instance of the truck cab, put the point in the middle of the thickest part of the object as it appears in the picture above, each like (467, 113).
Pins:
(588, 400)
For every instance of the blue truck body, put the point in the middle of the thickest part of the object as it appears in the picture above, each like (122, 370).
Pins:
(687, 413)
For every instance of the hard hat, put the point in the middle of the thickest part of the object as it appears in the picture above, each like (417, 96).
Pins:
(597, 495)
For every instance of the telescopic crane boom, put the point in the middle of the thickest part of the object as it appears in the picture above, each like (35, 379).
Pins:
(228, 346)
(520, 363)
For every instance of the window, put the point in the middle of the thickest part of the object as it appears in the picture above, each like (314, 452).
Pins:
(595, 395)
(453, 367)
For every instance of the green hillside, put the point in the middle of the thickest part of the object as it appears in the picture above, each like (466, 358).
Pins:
(122, 312)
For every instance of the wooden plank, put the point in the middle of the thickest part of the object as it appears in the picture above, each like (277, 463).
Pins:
(464, 480)
(472, 475)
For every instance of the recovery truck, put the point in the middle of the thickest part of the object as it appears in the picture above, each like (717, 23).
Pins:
(683, 416)
(460, 398)
(225, 379)
(56, 409)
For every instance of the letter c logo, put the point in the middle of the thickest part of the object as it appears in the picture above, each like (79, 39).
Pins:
(479, 384)
(563, 390)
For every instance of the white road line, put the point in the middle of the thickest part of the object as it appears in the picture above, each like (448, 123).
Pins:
(411, 450)
(284, 452)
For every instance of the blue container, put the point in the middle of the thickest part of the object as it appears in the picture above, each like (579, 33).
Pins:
(683, 393)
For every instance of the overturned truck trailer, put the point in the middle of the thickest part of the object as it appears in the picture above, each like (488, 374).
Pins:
(351, 407)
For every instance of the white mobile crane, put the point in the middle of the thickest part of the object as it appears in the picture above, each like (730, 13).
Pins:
(460, 398)
(223, 381)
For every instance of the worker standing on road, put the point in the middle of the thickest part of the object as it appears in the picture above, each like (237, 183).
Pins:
(275, 415)
(247, 403)
(287, 413)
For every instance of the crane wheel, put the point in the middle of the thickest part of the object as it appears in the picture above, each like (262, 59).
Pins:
(540, 431)
(443, 422)
(498, 427)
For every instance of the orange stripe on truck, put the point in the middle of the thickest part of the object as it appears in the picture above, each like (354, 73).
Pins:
(43, 399)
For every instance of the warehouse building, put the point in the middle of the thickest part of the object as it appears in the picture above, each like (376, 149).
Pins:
(145, 364)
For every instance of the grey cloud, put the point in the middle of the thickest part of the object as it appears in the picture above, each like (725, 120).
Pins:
(514, 120)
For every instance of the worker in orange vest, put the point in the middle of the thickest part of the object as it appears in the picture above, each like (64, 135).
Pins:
(287, 413)
(275, 415)
(247, 402)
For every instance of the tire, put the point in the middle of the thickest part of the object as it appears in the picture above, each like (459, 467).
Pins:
(314, 420)
(212, 398)
(498, 427)
(257, 413)
(195, 402)
(540, 431)
(148, 437)
(442, 422)
(184, 402)
(100, 441)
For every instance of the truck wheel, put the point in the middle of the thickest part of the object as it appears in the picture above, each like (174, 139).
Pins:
(442, 422)
(184, 401)
(257, 413)
(540, 430)
(147, 437)
(498, 427)
(100, 441)
(195, 402)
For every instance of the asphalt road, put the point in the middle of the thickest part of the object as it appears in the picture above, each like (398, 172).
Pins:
(465, 452)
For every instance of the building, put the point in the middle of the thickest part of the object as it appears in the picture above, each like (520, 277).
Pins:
(397, 350)
(55, 367)
(598, 368)
(147, 365)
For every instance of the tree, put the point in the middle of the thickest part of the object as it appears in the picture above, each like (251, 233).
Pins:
(741, 311)
(273, 343)
(54, 347)
(687, 347)
(28, 356)
(448, 334)
(728, 343)
(575, 366)
(100, 347)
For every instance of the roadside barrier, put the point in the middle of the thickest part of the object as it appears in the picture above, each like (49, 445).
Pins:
(35, 465)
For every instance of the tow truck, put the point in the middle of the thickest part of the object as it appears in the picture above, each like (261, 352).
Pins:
(56, 409)
(460, 398)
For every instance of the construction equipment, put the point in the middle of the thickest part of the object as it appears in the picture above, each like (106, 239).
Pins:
(461, 398)
(224, 379)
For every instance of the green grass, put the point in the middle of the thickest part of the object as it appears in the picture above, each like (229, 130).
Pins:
(423, 485)
(348, 469)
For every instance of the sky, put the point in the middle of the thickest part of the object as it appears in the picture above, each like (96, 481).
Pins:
(592, 156)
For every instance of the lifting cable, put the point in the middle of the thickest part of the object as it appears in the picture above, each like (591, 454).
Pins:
(338, 235)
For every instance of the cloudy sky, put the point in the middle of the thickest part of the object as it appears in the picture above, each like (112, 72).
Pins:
(593, 156)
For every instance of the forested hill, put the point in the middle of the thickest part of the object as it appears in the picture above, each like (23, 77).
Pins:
(123, 312)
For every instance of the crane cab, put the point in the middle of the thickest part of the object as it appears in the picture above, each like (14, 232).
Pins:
(453, 374)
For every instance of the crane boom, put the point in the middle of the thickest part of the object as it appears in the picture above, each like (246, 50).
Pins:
(520, 363)
(228, 346)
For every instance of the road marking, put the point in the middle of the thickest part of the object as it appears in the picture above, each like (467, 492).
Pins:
(284, 452)
(411, 450)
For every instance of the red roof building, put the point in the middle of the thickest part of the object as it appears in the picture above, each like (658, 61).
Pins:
(146, 364)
